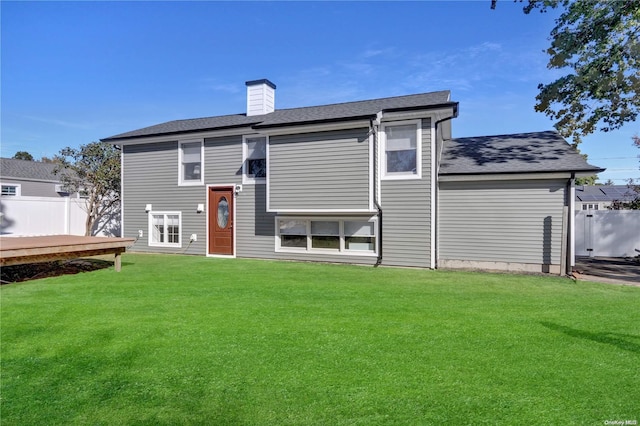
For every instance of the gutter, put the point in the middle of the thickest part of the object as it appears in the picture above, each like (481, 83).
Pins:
(118, 139)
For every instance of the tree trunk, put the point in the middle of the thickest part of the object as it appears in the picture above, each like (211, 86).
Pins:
(88, 225)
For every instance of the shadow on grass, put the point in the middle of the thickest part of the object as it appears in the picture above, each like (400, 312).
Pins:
(34, 271)
(618, 340)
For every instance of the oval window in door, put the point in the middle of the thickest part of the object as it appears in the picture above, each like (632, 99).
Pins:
(223, 212)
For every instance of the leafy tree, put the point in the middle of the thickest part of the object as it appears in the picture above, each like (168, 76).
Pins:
(598, 43)
(587, 180)
(23, 155)
(634, 187)
(93, 170)
(47, 160)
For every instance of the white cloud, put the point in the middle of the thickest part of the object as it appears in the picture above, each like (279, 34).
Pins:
(371, 53)
(214, 85)
(58, 122)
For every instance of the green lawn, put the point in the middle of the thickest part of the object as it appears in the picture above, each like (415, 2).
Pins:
(193, 340)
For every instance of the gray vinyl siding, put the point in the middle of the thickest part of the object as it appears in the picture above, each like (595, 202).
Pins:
(151, 177)
(406, 205)
(30, 188)
(253, 226)
(255, 235)
(502, 221)
(223, 160)
(320, 171)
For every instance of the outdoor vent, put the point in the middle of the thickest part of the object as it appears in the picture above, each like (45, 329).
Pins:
(60, 188)
(261, 96)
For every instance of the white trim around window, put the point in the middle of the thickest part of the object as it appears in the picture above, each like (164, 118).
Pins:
(353, 236)
(11, 189)
(191, 162)
(401, 152)
(254, 159)
(165, 229)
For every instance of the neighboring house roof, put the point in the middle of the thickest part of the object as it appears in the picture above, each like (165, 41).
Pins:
(296, 116)
(518, 153)
(24, 169)
(605, 193)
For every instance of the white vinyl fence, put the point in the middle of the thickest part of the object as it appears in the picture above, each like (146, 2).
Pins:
(29, 216)
(607, 233)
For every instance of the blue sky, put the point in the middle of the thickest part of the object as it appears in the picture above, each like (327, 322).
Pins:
(76, 72)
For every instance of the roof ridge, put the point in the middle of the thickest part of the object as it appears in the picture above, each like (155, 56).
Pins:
(508, 134)
(242, 114)
(366, 100)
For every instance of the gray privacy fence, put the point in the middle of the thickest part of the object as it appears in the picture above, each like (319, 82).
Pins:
(30, 216)
(607, 233)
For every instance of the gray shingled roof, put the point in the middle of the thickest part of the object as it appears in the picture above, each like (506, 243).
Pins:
(605, 193)
(518, 153)
(294, 116)
(23, 169)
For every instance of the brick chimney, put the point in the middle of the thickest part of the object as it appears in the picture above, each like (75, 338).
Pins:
(261, 95)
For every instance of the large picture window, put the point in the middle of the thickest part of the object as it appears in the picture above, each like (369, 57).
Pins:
(255, 159)
(322, 235)
(164, 229)
(191, 170)
(401, 150)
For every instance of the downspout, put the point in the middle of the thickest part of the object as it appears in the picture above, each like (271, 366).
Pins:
(436, 198)
(121, 233)
(571, 225)
(567, 229)
(373, 126)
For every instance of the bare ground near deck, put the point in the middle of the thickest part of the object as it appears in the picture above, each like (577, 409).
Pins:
(35, 271)
(613, 270)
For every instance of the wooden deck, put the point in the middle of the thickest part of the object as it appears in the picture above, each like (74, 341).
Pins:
(21, 250)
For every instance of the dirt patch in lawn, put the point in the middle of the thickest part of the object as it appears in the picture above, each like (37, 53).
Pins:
(34, 271)
(616, 270)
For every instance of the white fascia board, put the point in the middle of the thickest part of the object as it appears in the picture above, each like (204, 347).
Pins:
(312, 128)
(504, 177)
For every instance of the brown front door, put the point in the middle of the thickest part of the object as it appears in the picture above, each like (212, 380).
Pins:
(221, 221)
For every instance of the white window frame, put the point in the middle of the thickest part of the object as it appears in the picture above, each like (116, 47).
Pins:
(342, 251)
(383, 151)
(152, 243)
(246, 179)
(181, 180)
(17, 187)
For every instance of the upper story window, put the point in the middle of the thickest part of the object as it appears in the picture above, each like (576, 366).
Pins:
(401, 144)
(255, 159)
(12, 190)
(191, 167)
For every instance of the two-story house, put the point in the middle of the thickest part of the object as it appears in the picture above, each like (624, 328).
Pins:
(372, 182)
